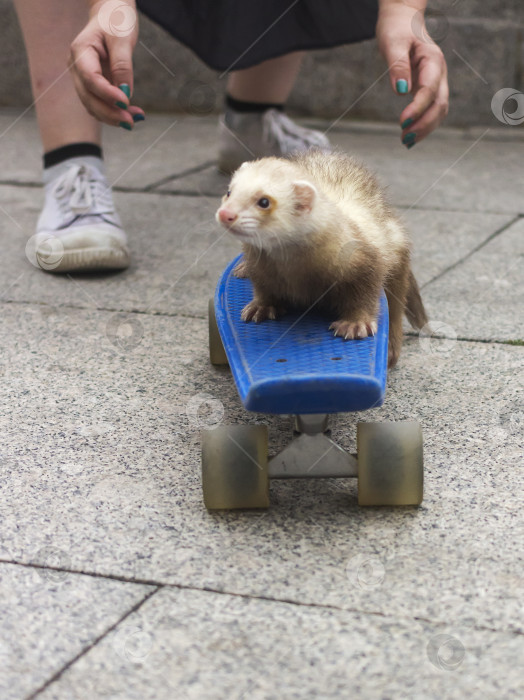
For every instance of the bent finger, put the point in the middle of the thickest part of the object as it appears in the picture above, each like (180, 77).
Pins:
(429, 121)
(121, 63)
(430, 74)
(109, 114)
(85, 65)
(396, 54)
(137, 113)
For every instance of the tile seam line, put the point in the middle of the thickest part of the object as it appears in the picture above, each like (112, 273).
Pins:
(200, 193)
(357, 126)
(479, 212)
(324, 606)
(206, 589)
(485, 341)
(122, 188)
(56, 676)
(163, 314)
(177, 176)
(104, 309)
(474, 250)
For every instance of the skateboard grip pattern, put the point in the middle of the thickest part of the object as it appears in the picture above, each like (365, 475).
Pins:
(294, 364)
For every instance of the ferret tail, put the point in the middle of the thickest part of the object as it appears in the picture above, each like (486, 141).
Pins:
(415, 311)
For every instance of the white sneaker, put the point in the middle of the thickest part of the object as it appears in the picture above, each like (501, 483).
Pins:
(78, 229)
(248, 136)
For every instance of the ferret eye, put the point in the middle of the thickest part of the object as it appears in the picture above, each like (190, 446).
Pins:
(263, 203)
(228, 193)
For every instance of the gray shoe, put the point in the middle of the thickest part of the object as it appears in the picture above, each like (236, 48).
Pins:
(248, 136)
(78, 229)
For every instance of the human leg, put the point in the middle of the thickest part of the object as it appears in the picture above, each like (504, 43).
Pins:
(78, 228)
(48, 29)
(254, 124)
(270, 81)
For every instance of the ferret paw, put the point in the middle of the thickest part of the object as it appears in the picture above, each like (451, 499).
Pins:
(392, 357)
(353, 329)
(240, 270)
(393, 352)
(257, 312)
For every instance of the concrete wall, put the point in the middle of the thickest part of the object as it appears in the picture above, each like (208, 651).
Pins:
(482, 41)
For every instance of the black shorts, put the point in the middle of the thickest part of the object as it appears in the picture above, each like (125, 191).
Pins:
(234, 34)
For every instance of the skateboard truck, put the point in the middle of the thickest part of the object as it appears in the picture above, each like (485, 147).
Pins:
(312, 452)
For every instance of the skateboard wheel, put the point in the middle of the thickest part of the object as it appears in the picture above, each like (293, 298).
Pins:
(235, 467)
(217, 354)
(390, 464)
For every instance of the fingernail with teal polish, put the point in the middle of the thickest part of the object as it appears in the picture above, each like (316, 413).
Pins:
(125, 89)
(410, 145)
(138, 117)
(407, 122)
(126, 125)
(120, 104)
(409, 137)
(402, 86)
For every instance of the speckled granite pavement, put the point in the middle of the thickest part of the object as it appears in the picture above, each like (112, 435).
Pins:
(114, 580)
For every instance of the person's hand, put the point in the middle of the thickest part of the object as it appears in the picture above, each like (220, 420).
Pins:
(101, 59)
(416, 65)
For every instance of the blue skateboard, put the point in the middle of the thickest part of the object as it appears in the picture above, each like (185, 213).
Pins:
(295, 365)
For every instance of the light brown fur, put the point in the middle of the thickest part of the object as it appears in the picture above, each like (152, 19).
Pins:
(325, 237)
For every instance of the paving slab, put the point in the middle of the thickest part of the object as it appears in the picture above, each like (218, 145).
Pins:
(20, 145)
(446, 171)
(482, 297)
(459, 174)
(51, 616)
(441, 239)
(101, 420)
(163, 146)
(190, 644)
(455, 173)
(179, 252)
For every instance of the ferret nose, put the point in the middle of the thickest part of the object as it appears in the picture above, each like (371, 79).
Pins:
(226, 216)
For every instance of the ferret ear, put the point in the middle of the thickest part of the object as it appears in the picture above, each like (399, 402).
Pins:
(240, 167)
(305, 194)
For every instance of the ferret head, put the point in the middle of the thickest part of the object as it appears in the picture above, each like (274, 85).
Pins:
(267, 204)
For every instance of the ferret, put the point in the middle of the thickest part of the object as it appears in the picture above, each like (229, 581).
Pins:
(317, 232)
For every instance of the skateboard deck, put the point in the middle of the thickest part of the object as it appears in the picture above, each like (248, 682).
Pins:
(294, 364)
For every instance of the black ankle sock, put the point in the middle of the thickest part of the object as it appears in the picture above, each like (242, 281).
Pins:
(241, 106)
(72, 150)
